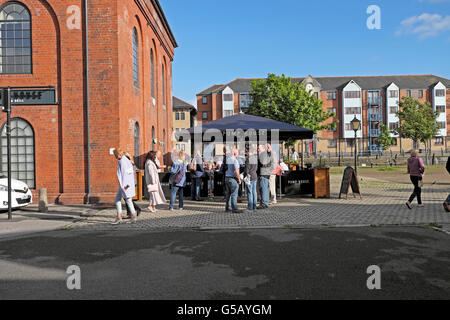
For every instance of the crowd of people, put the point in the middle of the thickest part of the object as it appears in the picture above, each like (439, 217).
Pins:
(256, 170)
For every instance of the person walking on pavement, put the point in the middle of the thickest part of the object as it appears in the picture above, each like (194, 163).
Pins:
(136, 207)
(265, 170)
(177, 180)
(125, 176)
(447, 201)
(416, 170)
(155, 192)
(232, 180)
(251, 176)
(273, 175)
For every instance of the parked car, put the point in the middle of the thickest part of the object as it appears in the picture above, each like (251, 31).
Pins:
(21, 195)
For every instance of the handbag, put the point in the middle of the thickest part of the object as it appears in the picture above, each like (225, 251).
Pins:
(152, 187)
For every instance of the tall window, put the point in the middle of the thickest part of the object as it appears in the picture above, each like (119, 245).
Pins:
(152, 73)
(135, 58)
(137, 144)
(153, 138)
(164, 142)
(163, 88)
(420, 93)
(15, 39)
(22, 152)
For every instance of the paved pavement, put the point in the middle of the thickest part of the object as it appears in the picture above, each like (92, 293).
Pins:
(382, 204)
(320, 263)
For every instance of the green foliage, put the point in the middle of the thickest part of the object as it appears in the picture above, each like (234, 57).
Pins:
(417, 120)
(385, 140)
(278, 98)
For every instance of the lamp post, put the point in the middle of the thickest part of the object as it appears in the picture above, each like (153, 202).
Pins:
(356, 125)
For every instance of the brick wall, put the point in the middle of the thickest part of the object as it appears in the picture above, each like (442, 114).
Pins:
(115, 105)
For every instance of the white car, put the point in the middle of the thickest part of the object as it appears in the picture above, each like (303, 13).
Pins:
(21, 195)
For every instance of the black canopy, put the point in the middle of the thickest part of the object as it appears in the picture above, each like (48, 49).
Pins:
(247, 122)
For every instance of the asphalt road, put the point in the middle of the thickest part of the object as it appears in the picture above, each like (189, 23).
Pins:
(244, 264)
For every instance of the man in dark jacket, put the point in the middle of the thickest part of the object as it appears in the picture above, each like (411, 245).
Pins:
(447, 201)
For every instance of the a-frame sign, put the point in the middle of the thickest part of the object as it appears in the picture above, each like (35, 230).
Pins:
(349, 179)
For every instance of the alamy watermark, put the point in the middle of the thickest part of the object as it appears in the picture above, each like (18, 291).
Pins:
(374, 281)
(74, 280)
(374, 20)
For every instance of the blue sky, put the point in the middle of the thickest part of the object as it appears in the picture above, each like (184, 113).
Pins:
(220, 40)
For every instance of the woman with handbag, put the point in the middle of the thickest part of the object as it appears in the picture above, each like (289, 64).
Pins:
(155, 192)
(416, 170)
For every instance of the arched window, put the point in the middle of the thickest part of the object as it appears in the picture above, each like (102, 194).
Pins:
(15, 39)
(22, 152)
(153, 138)
(164, 142)
(152, 73)
(163, 88)
(135, 58)
(137, 144)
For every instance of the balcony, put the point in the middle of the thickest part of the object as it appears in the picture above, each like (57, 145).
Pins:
(374, 101)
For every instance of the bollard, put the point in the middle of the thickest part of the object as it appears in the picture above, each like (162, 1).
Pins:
(43, 202)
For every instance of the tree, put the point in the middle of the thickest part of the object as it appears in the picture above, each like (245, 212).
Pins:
(384, 141)
(417, 121)
(278, 98)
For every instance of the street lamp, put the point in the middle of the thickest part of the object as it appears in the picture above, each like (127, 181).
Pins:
(356, 125)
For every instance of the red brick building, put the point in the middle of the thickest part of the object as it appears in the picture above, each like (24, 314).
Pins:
(113, 78)
(372, 99)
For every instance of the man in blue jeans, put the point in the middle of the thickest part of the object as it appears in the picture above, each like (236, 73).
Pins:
(232, 180)
(265, 170)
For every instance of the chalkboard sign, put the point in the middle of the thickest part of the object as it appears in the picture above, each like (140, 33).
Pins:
(349, 179)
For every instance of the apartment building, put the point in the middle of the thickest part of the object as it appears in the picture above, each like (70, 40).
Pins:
(184, 117)
(374, 100)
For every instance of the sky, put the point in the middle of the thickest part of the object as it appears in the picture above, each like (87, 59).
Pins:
(221, 40)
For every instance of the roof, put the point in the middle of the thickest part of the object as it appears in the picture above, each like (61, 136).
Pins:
(381, 82)
(211, 89)
(338, 83)
(180, 104)
(246, 122)
(162, 16)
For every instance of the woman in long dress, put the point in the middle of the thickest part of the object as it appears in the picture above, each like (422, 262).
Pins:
(155, 192)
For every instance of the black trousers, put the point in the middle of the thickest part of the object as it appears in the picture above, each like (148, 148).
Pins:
(136, 208)
(417, 190)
